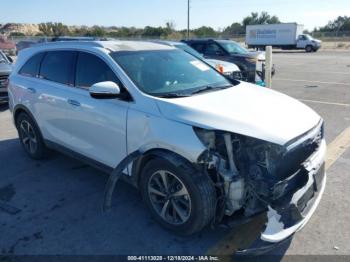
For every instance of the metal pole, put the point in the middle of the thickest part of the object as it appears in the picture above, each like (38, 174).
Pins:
(188, 19)
(268, 67)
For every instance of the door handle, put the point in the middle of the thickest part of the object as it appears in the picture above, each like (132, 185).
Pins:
(73, 102)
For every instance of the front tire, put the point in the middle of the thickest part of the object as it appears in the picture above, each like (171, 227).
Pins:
(309, 49)
(30, 136)
(179, 197)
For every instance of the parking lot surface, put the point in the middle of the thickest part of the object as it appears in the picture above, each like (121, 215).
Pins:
(55, 204)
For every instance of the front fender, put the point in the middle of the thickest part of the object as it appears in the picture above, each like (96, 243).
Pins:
(146, 132)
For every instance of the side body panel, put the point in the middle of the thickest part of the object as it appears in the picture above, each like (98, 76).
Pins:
(97, 127)
(147, 132)
(51, 110)
(272, 34)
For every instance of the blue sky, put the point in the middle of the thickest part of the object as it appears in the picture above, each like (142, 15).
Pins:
(139, 13)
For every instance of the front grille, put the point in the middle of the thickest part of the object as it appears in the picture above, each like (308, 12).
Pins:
(299, 152)
(293, 174)
(3, 80)
(235, 75)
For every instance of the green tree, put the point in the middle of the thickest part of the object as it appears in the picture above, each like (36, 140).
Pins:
(341, 23)
(46, 28)
(17, 34)
(154, 32)
(169, 27)
(59, 29)
(96, 31)
(53, 29)
(205, 31)
(262, 18)
(234, 29)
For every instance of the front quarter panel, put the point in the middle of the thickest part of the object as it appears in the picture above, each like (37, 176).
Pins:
(147, 132)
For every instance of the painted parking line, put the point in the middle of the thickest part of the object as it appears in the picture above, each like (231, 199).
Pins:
(234, 238)
(324, 102)
(337, 147)
(316, 72)
(310, 81)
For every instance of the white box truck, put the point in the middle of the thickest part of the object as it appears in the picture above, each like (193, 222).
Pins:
(285, 36)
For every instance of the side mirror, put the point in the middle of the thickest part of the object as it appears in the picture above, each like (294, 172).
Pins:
(104, 90)
(9, 58)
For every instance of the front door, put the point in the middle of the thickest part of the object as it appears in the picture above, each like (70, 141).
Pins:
(97, 126)
(302, 41)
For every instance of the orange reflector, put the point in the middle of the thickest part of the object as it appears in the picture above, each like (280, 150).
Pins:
(220, 68)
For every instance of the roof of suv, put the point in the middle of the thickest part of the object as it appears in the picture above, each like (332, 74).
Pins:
(168, 42)
(206, 40)
(113, 46)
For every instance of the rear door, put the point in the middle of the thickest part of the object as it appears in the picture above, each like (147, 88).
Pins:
(22, 87)
(52, 89)
(97, 126)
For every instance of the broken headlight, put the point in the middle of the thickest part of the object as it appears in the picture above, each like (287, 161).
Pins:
(207, 137)
(247, 151)
(242, 161)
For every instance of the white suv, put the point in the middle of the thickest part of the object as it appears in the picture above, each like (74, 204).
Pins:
(210, 149)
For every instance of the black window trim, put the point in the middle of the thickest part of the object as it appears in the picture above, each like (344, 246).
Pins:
(128, 97)
(70, 77)
(27, 60)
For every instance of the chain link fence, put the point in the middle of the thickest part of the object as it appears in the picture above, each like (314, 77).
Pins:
(239, 37)
(331, 40)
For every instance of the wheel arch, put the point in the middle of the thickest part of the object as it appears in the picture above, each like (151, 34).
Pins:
(18, 109)
(172, 157)
(21, 109)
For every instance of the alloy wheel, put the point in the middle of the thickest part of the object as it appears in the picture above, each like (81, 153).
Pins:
(28, 137)
(169, 197)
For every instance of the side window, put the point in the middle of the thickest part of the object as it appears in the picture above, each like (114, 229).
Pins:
(57, 66)
(91, 69)
(32, 66)
(213, 49)
(199, 47)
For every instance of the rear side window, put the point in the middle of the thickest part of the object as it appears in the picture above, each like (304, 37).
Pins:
(212, 49)
(200, 47)
(91, 69)
(57, 66)
(32, 66)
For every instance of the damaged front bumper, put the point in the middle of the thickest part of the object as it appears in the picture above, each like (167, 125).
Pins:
(275, 232)
(313, 190)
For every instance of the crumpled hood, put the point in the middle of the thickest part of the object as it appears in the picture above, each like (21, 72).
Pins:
(5, 69)
(244, 109)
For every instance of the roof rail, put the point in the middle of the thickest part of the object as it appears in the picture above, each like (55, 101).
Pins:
(70, 43)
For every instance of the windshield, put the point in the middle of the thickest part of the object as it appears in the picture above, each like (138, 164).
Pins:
(233, 47)
(189, 50)
(308, 37)
(169, 73)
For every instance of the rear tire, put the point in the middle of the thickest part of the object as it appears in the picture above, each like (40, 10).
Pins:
(185, 203)
(30, 136)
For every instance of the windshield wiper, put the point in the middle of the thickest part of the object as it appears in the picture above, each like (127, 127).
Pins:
(173, 95)
(210, 88)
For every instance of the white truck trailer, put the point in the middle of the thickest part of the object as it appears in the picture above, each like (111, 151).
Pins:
(284, 35)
